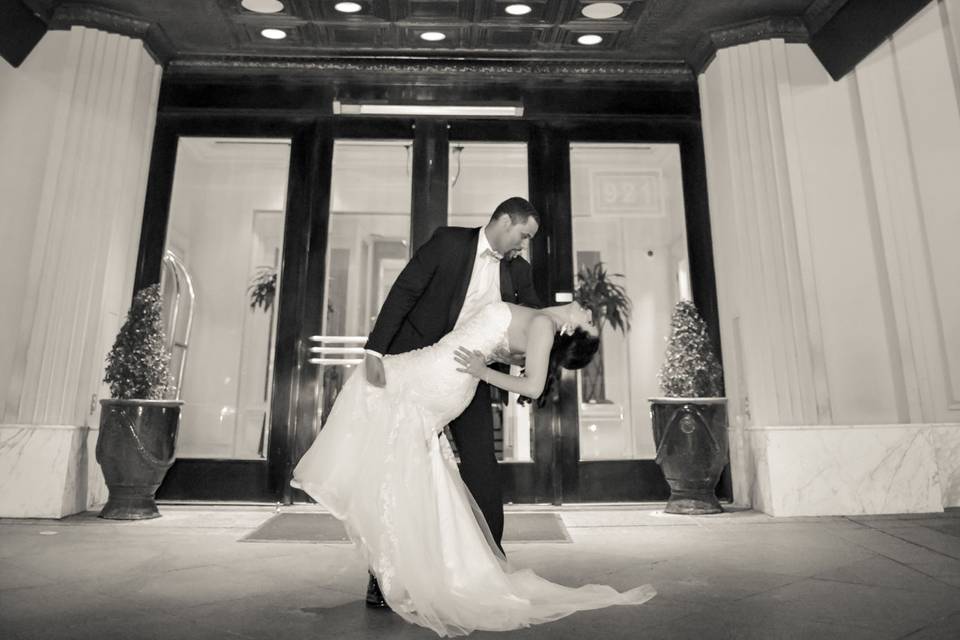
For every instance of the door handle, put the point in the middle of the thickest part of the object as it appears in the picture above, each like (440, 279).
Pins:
(336, 350)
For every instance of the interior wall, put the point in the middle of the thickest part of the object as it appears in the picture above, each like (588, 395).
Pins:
(834, 210)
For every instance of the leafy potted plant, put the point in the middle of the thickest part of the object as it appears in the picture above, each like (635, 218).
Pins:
(138, 426)
(690, 422)
(263, 288)
(610, 305)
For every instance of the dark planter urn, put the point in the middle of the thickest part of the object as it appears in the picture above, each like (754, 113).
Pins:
(135, 447)
(691, 439)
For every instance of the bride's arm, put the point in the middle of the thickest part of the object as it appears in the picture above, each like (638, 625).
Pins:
(539, 342)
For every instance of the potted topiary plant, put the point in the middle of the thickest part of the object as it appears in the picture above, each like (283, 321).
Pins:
(610, 305)
(690, 422)
(138, 426)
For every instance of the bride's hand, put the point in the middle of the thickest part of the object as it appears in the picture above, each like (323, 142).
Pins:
(473, 362)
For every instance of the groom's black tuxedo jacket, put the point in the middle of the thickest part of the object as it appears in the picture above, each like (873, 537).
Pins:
(426, 298)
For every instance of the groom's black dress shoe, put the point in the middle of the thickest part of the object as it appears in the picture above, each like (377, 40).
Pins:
(374, 597)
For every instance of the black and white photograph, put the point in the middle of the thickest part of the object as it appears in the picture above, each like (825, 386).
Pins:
(509, 319)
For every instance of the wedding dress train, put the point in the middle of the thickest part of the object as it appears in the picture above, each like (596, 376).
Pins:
(379, 466)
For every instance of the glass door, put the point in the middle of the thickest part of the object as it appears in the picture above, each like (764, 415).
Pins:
(628, 220)
(367, 245)
(221, 273)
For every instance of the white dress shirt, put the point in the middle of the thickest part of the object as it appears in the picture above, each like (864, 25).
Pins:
(484, 280)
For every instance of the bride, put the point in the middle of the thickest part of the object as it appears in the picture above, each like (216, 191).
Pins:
(381, 466)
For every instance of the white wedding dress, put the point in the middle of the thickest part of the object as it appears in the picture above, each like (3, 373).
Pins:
(379, 466)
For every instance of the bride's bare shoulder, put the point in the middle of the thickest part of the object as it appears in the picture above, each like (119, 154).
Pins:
(541, 322)
(526, 317)
(523, 314)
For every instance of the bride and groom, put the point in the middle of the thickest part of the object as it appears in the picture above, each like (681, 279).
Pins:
(462, 309)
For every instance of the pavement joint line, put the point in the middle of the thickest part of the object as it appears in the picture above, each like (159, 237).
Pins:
(904, 564)
(878, 586)
(916, 544)
(925, 626)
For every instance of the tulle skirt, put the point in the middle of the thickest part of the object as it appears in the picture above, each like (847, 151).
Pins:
(379, 467)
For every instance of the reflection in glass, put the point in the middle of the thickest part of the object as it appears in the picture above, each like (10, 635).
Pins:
(226, 229)
(628, 213)
(482, 175)
(368, 245)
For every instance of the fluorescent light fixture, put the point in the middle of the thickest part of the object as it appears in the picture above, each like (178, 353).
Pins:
(274, 34)
(380, 109)
(432, 36)
(347, 7)
(518, 9)
(589, 39)
(602, 10)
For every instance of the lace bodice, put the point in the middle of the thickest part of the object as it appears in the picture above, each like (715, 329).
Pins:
(486, 331)
(430, 375)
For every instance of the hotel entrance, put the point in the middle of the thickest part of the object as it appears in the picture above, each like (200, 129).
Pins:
(290, 232)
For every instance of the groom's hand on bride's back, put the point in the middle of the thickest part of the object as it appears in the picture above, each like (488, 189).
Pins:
(374, 370)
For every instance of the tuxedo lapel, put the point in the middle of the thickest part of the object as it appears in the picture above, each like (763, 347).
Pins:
(469, 256)
(507, 293)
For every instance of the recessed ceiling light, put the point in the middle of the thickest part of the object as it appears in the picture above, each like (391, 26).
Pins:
(274, 34)
(347, 7)
(262, 6)
(602, 10)
(590, 39)
(518, 9)
(432, 36)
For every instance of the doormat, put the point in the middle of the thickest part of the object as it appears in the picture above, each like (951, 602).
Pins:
(324, 528)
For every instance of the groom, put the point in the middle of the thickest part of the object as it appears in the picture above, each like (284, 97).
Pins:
(447, 280)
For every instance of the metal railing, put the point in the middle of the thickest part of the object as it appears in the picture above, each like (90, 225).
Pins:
(179, 341)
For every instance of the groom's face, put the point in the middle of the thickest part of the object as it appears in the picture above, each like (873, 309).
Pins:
(516, 236)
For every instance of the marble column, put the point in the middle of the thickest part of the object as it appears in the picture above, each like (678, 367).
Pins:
(834, 212)
(768, 300)
(80, 270)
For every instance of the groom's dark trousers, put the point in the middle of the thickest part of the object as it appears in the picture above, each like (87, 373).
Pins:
(422, 307)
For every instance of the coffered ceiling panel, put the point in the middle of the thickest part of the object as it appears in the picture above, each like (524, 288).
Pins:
(679, 34)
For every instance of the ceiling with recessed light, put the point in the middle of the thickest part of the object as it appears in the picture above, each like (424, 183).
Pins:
(681, 33)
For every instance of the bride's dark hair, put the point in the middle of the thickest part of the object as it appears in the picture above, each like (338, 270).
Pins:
(569, 351)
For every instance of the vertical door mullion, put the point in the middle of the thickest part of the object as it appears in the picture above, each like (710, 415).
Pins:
(556, 425)
(156, 208)
(428, 207)
(301, 300)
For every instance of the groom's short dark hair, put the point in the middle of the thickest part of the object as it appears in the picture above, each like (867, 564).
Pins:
(519, 209)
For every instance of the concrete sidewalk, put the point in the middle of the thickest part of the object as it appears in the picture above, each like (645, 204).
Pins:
(736, 575)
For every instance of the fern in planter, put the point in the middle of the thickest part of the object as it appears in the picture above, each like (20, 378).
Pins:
(690, 368)
(137, 365)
